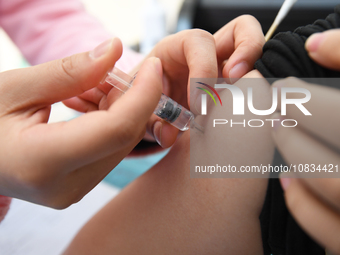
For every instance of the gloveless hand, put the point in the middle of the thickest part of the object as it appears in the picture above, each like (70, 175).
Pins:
(57, 164)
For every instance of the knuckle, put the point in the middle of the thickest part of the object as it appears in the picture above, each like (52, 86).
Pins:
(201, 33)
(67, 66)
(62, 200)
(67, 69)
(58, 203)
(248, 18)
(209, 67)
(254, 37)
(193, 33)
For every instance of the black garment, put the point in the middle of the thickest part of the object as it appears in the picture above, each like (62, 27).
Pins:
(285, 56)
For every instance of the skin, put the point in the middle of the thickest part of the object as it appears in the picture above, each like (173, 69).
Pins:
(190, 54)
(77, 161)
(165, 211)
(201, 216)
(56, 164)
(314, 202)
(239, 41)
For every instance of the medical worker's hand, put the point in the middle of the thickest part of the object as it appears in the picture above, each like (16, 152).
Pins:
(238, 45)
(57, 164)
(187, 54)
(315, 202)
(196, 54)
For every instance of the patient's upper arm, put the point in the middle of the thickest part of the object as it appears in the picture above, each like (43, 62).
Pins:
(234, 140)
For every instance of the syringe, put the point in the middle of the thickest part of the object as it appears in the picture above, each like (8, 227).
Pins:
(167, 109)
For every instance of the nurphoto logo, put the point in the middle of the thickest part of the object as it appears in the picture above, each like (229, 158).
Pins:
(239, 103)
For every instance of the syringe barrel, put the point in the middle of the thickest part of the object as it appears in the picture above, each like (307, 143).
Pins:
(172, 112)
(167, 109)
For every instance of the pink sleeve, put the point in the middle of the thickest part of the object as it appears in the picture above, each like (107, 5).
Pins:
(50, 29)
(45, 30)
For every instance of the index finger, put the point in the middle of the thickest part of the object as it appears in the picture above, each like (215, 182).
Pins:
(190, 51)
(194, 49)
(240, 42)
(98, 134)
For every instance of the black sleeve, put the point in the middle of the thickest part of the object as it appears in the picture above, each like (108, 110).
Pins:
(285, 54)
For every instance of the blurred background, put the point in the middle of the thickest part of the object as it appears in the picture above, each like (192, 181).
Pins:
(139, 24)
(126, 19)
(122, 18)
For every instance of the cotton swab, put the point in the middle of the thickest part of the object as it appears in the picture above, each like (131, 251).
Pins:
(284, 10)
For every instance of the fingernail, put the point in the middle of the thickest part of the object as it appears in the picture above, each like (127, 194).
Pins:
(157, 132)
(314, 41)
(158, 65)
(285, 182)
(238, 70)
(101, 49)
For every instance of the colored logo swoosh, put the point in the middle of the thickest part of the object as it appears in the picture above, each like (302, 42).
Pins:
(212, 89)
(208, 92)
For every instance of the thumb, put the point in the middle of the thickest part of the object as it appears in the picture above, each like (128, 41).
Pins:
(60, 79)
(324, 48)
(98, 134)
